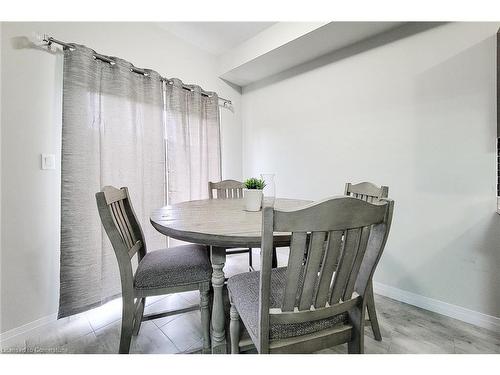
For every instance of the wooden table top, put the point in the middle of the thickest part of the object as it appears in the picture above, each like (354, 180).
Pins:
(218, 222)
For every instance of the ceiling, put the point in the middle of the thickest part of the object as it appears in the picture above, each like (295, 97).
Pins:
(299, 48)
(215, 37)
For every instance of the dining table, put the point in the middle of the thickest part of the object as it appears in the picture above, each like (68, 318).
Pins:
(220, 224)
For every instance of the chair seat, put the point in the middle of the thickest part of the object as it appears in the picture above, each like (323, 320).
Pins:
(174, 266)
(244, 292)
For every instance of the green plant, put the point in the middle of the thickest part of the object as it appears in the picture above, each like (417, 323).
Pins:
(255, 183)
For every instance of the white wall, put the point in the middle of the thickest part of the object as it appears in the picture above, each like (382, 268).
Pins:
(417, 114)
(31, 124)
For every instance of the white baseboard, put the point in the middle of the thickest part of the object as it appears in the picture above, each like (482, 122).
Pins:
(453, 311)
(28, 327)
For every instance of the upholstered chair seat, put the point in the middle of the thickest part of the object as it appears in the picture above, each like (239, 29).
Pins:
(244, 289)
(175, 266)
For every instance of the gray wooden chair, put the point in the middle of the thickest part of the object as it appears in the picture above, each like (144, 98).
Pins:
(232, 189)
(318, 302)
(173, 270)
(366, 191)
(371, 193)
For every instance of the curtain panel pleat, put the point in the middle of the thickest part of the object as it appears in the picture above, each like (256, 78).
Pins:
(114, 134)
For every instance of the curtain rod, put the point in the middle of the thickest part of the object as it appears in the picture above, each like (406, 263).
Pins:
(50, 40)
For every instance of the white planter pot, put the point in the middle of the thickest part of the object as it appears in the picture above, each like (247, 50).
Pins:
(253, 199)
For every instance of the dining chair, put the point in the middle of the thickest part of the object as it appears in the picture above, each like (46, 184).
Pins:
(366, 191)
(173, 270)
(371, 193)
(232, 189)
(316, 301)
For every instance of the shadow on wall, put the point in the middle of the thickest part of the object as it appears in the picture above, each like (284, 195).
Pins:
(456, 123)
(454, 173)
(457, 128)
(22, 42)
(381, 39)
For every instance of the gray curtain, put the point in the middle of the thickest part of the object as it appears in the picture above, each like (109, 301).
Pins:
(113, 134)
(115, 123)
(193, 142)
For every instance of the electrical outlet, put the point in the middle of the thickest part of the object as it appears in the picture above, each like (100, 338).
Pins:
(48, 161)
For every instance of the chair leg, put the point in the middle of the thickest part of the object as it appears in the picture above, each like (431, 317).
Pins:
(127, 325)
(372, 314)
(250, 262)
(357, 319)
(274, 263)
(234, 330)
(205, 318)
(138, 317)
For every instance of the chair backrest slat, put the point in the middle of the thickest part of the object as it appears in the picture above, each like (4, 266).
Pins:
(314, 258)
(226, 189)
(122, 226)
(335, 247)
(332, 254)
(113, 217)
(126, 229)
(294, 270)
(127, 222)
(351, 244)
(360, 252)
(117, 219)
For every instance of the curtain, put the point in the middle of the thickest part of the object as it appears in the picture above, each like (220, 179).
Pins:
(193, 142)
(122, 128)
(113, 134)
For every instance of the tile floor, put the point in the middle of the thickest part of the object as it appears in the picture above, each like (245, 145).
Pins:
(405, 329)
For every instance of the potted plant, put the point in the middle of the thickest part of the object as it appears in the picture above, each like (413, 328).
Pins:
(253, 193)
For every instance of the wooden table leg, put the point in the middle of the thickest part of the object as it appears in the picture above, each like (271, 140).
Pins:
(218, 258)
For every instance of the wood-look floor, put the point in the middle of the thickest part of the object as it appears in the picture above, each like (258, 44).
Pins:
(405, 329)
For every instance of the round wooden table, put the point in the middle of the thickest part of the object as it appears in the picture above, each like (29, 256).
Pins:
(220, 224)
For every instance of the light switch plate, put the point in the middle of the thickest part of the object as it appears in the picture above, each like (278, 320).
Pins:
(48, 161)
